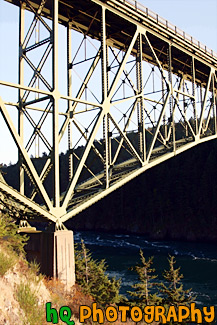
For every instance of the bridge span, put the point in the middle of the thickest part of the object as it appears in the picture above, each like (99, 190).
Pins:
(112, 84)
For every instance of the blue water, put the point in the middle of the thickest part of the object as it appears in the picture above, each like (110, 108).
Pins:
(198, 261)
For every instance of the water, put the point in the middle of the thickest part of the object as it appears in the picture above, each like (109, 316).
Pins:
(198, 261)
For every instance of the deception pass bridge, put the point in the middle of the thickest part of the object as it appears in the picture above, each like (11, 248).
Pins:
(112, 84)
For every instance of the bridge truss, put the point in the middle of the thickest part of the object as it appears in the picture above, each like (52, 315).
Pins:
(116, 87)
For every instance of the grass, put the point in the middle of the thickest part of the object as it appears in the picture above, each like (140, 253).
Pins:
(34, 274)
(28, 301)
(6, 262)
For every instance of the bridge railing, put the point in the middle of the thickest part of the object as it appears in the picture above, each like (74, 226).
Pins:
(160, 20)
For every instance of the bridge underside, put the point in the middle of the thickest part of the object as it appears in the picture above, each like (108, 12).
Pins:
(116, 88)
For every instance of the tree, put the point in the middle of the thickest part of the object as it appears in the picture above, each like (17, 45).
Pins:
(9, 235)
(91, 276)
(143, 289)
(173, 292)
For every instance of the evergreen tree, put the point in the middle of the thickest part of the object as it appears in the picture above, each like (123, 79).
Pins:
(173, 292)
(91, 276)
(142, 293)
(8, 230)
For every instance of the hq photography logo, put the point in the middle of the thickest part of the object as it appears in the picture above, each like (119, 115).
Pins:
(149, 314)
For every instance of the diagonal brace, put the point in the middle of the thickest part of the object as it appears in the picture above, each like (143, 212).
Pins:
(23, 151)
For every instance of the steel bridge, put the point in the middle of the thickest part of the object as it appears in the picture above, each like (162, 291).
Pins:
(112, 84)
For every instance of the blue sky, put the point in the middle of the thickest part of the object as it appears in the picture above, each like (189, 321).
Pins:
(195, 17)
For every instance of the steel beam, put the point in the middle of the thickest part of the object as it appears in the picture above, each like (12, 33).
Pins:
(128, 178)
(104, 96)
(55, 150)
(24, 153)
(16, 196)
(21, 82)
(69, 86)
(205, 101)
(127, 43)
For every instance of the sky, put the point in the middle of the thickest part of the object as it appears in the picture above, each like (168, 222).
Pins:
(195, 17)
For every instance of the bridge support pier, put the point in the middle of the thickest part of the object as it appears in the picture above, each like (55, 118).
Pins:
(63, 260)
(53, 251)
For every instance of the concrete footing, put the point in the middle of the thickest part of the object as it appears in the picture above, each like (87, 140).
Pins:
(54, 251)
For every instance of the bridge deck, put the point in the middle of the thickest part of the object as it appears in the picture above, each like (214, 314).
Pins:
(122, 19)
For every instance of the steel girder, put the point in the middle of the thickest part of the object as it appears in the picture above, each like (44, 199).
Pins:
(133, 98)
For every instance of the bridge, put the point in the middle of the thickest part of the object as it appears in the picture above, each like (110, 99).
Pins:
(112, 84)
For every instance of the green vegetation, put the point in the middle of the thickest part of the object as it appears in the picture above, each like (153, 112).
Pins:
(11, 253)
(142, 290)
(6, 262)
(27, 298)
(93, 284)
(91, 276)
(12, 244)
(173, 291)
(148, 292)
(8, 234)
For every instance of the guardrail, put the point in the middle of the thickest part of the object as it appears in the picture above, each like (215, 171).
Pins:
(159, 20)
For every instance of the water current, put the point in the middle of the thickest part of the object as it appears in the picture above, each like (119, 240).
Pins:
(198, 261)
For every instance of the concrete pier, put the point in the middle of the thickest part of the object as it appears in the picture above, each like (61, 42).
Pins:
(64, 263)
(54, 252)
